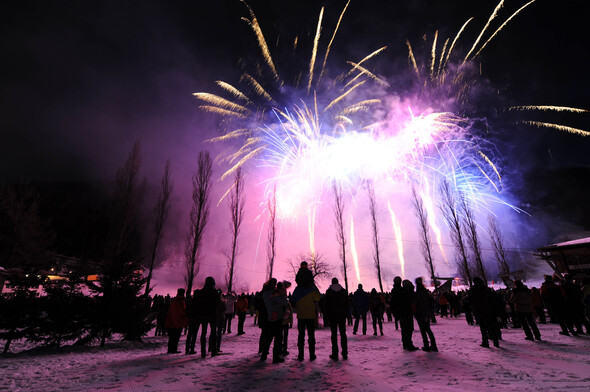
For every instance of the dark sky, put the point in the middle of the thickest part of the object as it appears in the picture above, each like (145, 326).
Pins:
(80, 81)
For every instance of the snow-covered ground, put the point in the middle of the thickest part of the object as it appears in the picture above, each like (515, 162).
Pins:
(375, 364)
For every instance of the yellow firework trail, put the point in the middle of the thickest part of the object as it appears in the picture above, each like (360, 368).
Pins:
(413, 59)
(564, 128)
(433, 54)
(397, 230)
(258, 88)
(355, 257)
(364, 71)
(332, 40)
(549, 107)
(442, 55)
(366, 58)
(484, 156)
(491, 18)
(261, 40)
(233, 91)
(237, 133)
(343, 95)
(502, 26)
(221, 111)
(315, 49)
(454, 41)
(359, 106)
(221, 102)
(487, 177)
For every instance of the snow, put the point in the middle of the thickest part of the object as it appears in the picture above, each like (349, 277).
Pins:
(579, 241)
(376, 363)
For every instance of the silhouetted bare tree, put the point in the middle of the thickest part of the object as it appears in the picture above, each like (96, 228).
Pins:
(339, 222)
(319, 266)
(425, 239)
(498, 245)
(375, 231)
(160, 216)
(236, 205)
(472, 237)
(199, 216)
(448, 208)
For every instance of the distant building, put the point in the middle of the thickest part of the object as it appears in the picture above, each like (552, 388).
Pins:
(571, 257)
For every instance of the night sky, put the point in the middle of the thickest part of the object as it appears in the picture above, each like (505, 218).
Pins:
(81, 81)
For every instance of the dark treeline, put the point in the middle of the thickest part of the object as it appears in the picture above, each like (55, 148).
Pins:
(72, 256)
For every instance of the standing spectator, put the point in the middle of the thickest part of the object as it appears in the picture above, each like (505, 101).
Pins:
(241, 309)
(275, 303)
(287, 319)
(376, 307)
(207, 303)
(230, 300)
(176, 320)
(393, 304)
(193, 324)
(466, 303)
(444, 304)
(523, 305)
(307, 300)
(337, 309)
(423, 305)
(360, 301)
(484, 309)
(554, 298)
(219, 321)
(537, 302)
(401, 300)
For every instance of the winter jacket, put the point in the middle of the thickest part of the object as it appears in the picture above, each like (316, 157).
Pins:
(376, 304)
(422, 303)
(336, 300)
(276, 304)
(207, 301)
(241, 305)
(360, 301)
(522, 299)
(230, 300)
(552, 294)
(307, 305)
(176, 317)
(401, 301)
(483, 302)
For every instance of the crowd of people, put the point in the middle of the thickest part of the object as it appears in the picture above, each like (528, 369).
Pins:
(566, 303)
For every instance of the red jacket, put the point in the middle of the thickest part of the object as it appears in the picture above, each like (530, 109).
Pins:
(176, 317)
(241, 305)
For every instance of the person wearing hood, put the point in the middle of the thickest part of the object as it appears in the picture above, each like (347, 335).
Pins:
(336, 311)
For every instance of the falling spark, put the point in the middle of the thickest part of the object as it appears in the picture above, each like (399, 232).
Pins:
(413, 59)
(503, 25)
(332, 40)
(484, 156)
(433, 55)
(355, 257)
(549, 107)
(564, 128)
(397, 230)
(261, 41)
(315, 49)
(491, 18)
